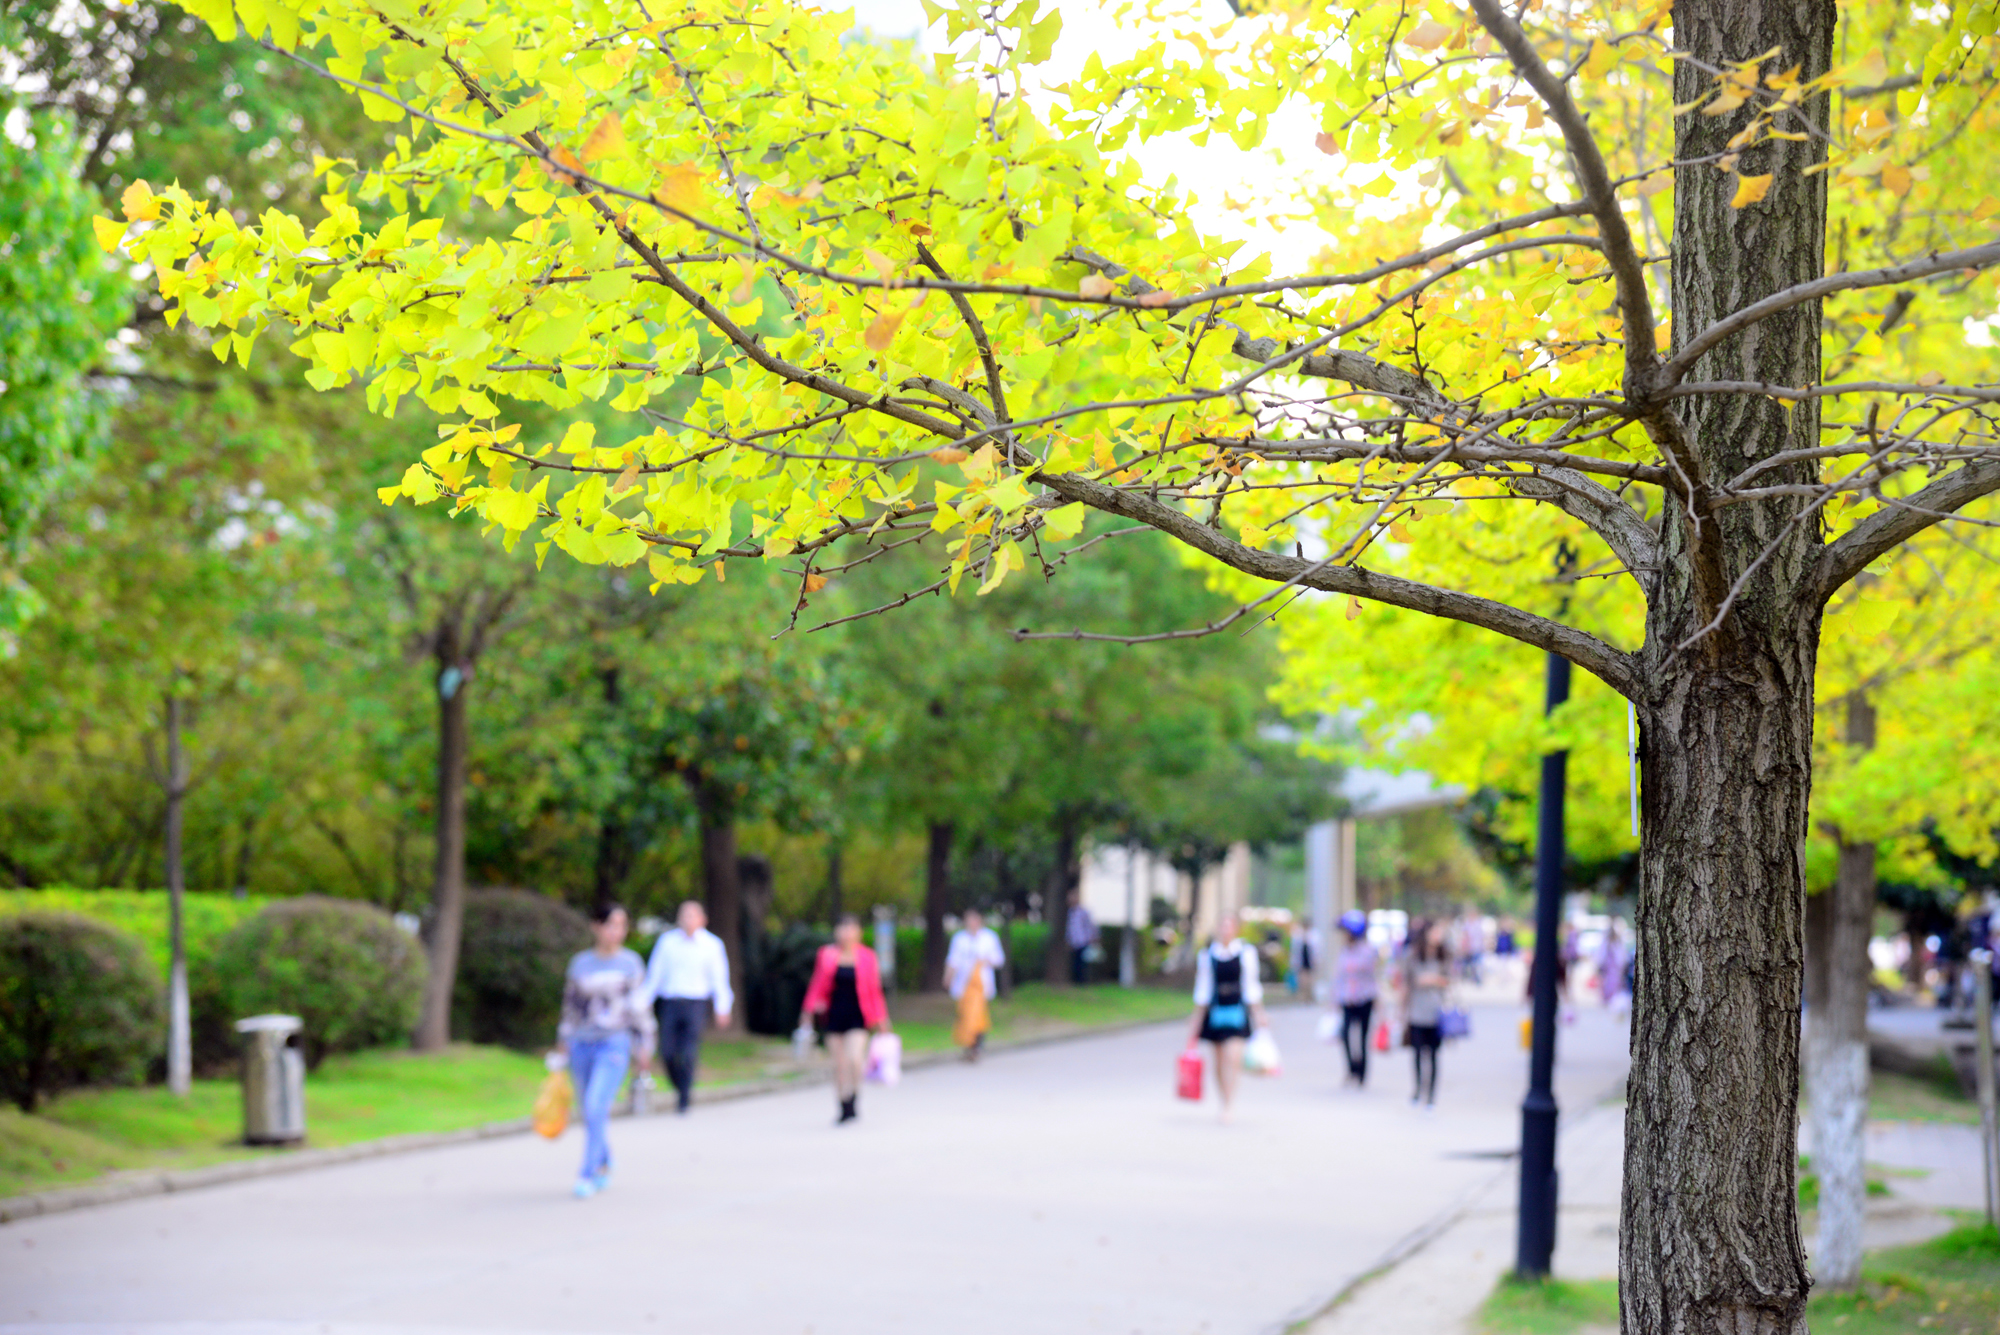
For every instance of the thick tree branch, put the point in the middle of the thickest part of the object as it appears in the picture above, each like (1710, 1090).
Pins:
(1977, 257)
(1586, 499)
(1614, 667)
(1901, 519)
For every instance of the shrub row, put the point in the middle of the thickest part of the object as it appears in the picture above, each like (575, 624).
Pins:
(82, 998)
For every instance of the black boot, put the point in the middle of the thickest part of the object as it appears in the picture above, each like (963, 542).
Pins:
(847, 1111)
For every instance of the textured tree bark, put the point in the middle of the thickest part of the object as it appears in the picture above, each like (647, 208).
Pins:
(180, 1036)
(1709, 1237)
(1837, 1044)
(448, 876)
(937, 899)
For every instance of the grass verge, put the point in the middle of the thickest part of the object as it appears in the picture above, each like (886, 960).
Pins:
(1937, 1097)
(363, 1096)
(1549, 1306)
(1949, 1285)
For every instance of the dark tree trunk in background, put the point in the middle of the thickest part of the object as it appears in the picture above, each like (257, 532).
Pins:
(937, 902)
(448, 878)
(1837, 979)
(1057, 899)
(754, 891)
(614, 843)
(835, 896)
(180, 1040)
(1709, 1238)
(722, 892)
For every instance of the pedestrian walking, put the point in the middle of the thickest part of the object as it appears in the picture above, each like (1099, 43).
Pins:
(1305, 958)
(1356, 983)
(1228, 1005)
(970, 967)
(688, 978)
(604, 1021)
(1612, 963)
(846, 996)
(1081, 934)
(1426, 973)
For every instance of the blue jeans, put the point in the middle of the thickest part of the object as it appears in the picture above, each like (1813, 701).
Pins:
(597, 1069)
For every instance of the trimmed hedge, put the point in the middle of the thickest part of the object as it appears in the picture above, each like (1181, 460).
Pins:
(80, 1004)
(209, 916)
(343, 967)
(511, 958)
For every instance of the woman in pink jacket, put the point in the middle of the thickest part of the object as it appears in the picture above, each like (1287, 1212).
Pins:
(846, 990)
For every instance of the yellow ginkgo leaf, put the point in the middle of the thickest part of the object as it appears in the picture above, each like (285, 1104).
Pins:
(882, 332)
(607, 140)
(1896, 179)
(109, 233)
(1602, 57)
(1750, 189)
(1094, 285)
(141, 204)
(1427, 36)
(684, 189)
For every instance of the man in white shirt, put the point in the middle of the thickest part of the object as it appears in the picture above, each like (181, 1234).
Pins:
(687, 977)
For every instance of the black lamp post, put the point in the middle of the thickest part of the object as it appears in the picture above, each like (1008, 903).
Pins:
(1537, 1239)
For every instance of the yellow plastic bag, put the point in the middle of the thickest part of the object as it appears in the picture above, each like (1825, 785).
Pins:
(551, 1113)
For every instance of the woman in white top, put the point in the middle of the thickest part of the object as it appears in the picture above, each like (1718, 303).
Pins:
(969, 968)
(1228, 1004)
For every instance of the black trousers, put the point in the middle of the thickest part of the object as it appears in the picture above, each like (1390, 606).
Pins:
(681, 1021)
(1079, 967)
(1354, 1021)
(1425, 1040)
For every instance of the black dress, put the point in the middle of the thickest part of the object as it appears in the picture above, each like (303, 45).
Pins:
(843, 1009)
(1226, 1016)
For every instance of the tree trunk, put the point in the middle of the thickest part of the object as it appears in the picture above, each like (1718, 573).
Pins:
(1056, 901)
(448, 876)
(180, 1038)
(1709, 1239)
(614, 848)
(937, 901)
(722, 892)
(835, 898)
(1837, 1043)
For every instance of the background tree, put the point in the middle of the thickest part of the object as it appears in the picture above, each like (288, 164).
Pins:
(1088, 347)
(59, 302)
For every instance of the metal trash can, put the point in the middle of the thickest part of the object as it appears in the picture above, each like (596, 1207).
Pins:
(274, 1080)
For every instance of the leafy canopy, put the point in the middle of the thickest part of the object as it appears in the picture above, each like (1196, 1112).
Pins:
(796, 265)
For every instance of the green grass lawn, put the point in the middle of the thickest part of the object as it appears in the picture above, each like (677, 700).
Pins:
(1937, 1097)
(1549, 1306)
(1949, 1285)
(1036, 1010)
(369, 1095)
(364, 1096)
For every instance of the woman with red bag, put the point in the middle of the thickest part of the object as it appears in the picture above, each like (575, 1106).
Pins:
(846, 990)
(1228, 1005)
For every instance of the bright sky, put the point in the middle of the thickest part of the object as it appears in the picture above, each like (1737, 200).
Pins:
(1213, 170)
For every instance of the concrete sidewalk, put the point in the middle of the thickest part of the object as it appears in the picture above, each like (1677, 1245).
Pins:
(1057, 1189)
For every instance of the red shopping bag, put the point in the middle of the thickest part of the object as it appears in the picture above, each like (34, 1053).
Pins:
(1189, 1084)
(1382, 1036)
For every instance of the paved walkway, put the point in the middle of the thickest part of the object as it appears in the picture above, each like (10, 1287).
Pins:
(1057, 1189)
